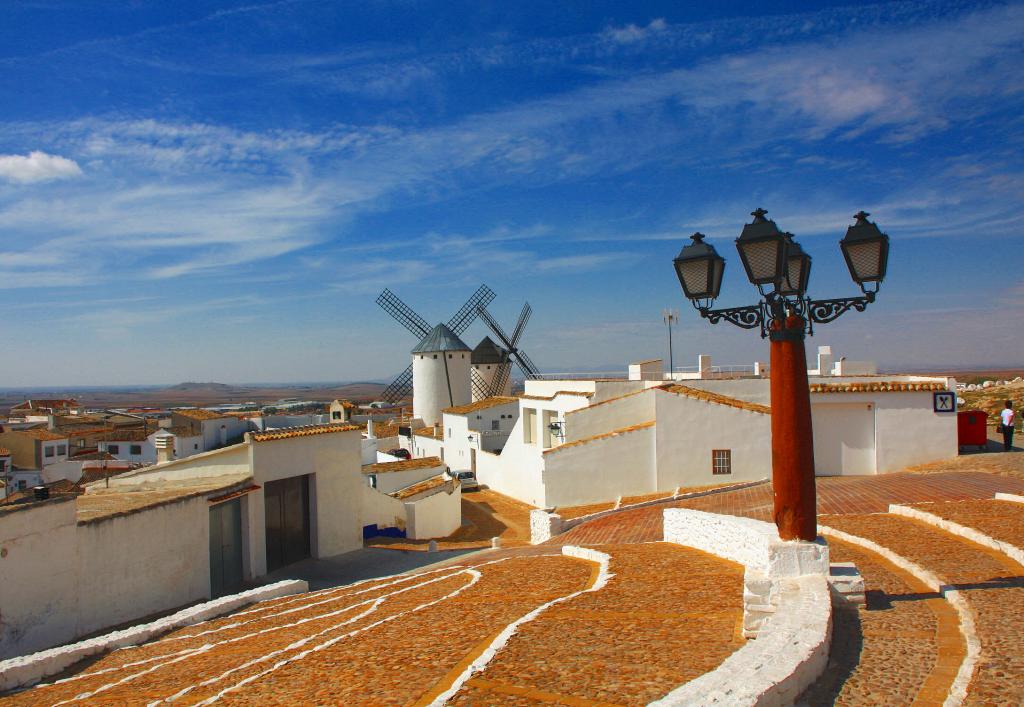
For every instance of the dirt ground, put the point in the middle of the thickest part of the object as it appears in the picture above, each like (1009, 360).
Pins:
(486, 514)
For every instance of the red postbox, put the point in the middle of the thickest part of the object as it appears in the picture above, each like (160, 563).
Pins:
(971, 428)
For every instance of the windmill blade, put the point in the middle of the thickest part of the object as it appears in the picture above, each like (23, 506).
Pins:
(499, 380)
(461, 320)
(403, 314)
(524, 316)
(400, 387)
(495, 327)
(525, 364)
(479, 390)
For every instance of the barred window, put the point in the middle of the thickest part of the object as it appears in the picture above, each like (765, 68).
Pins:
(721, 461)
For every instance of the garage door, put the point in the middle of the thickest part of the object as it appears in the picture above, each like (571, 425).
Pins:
(844, 439)
(287, 521)
(225, 547)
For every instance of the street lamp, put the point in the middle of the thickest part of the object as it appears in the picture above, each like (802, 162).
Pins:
(780, 270)
(670, 317)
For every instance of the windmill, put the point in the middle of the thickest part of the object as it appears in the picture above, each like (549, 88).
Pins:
(404, 315)
(511, 345)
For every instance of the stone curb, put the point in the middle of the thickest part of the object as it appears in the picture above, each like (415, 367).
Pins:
(30, 669)
(958, 690)
(1012, 497)
(968, 533)
(789, 654)
(548, 525)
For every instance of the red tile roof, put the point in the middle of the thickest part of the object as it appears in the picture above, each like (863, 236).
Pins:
(878, 387)
(306, 431)
(404, 465)
(480, 405)
(40, 434)
(434, 482)
(200, 414)
(709, 397)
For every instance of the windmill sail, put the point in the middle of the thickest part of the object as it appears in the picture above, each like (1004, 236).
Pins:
(510, 342)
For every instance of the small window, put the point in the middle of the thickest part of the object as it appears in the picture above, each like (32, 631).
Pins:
(495, 424)
(450, 356)
(48, 452)
(135, 449)
(62, 449)
(195, 446)
(721, 461)
(449, 433)
(113, 449)
(479, 417)
(22, 484)
(435, 356)
(335, 414)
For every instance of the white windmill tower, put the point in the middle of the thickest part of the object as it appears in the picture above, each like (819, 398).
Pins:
(430, 384)
(440, 374)
(491, 369)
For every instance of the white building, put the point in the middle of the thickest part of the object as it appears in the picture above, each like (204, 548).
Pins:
(216, 429)
(415, 497)
(578, 441)
(440, 374)
(181, 531)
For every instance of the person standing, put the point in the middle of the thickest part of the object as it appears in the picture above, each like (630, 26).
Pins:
(1006, 415)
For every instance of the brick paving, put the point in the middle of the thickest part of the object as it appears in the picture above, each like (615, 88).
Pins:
(1002, 520)
(903, 646)
(669, 615)
(992, 583)
(836, 494)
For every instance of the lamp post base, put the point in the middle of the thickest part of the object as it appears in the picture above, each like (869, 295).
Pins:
(795, 509)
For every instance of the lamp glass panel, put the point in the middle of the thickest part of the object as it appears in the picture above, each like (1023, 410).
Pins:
(716, 282)
(794, 267)
(762, 259)
(695, 276)
(864, 260)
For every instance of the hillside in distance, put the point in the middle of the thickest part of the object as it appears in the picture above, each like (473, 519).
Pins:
(197, 394)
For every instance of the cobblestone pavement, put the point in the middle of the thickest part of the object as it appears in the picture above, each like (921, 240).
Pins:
(992, 583)
(904, 645)
(669, 615)
(837, 494)
(396, 640)
(1002, 520)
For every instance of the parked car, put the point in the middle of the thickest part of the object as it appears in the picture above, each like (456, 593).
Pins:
(400, 453)
(468, 481)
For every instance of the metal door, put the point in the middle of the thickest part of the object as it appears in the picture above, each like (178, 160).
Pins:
(287, 521)
(225, 547)
(844, 439)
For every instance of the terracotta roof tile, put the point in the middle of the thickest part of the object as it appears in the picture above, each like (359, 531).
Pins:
(305, 431)
(41, 434)
(404, 465)
(5, 452)
(480, 405)
(434, 482)
(709, 397)
(878, 387)
(603, 435)
(429, 432)
(135, 435)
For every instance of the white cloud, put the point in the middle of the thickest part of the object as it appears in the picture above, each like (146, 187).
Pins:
(630, 34)
(37, 166)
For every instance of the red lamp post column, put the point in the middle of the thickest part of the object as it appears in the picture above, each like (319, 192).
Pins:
(795, 503)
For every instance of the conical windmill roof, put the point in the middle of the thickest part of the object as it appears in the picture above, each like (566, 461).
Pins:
(488, 352)
(440, 338)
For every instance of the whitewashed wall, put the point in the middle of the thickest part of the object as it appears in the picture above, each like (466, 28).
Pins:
(601, 470)
(688, 430)
(613, 414)
(220, 462)
(517, 472)
(381, 510)
(39, 570)
(135, 565)
(435, 516)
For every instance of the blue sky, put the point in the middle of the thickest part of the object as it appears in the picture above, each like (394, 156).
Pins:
(218, 191)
